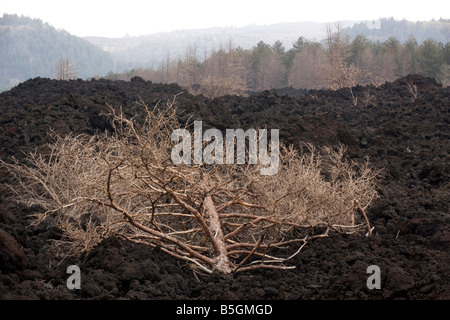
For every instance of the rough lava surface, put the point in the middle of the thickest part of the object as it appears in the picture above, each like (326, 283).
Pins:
(406, 136)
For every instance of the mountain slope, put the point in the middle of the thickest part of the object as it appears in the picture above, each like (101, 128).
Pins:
(30, 48)
(151, 49)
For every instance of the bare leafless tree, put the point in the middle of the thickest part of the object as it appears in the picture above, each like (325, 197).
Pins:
(224, 73)
(307, 66)
(340, 74)
(444, 75)
(225, 217)
(65, 69)
(188, 71)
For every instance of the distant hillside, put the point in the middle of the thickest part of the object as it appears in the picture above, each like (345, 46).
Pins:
(150, 50)
(30, 48)
(382, 29)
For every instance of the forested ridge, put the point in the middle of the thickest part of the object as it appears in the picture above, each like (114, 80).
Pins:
(31, 48)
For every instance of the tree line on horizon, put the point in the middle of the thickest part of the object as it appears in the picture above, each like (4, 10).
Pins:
(30, 48)
(334, 63)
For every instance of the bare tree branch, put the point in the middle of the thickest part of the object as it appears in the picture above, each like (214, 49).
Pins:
(224, 217)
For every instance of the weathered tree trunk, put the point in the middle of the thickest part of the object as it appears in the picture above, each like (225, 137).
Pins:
(222, 262)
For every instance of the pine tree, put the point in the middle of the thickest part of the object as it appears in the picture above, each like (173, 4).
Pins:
(430, 58)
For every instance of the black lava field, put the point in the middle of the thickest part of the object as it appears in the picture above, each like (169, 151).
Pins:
(407, 137)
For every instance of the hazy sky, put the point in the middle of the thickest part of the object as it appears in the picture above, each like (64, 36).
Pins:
(136, 17)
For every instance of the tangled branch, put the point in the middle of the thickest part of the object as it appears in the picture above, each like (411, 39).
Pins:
(224, 217)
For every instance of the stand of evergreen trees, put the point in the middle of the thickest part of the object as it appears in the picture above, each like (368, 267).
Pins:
(268, 66)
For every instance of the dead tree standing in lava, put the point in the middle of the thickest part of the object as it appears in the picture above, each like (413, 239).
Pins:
(340, 74)
(65, 69)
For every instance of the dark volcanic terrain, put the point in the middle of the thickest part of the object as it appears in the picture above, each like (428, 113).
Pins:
(406, 135)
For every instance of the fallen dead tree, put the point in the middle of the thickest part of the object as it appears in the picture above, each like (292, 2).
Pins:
(224, 217)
